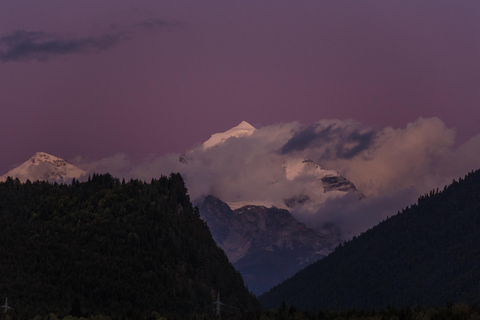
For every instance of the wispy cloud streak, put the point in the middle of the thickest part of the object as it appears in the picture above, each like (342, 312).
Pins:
(22, 45)
(152, 24)
(338, 140)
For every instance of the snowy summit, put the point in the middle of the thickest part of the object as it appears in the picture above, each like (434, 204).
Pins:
(44, 166)
(242, 130)
(302, 185)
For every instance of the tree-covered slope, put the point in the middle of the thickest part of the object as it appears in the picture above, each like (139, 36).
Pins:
(428, 254)
(110, 247)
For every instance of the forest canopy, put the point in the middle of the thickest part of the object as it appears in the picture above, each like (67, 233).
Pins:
(105, 246)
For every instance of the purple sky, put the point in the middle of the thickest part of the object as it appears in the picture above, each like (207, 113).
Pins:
(95, 78)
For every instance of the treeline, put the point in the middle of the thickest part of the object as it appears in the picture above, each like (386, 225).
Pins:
(427, 255)
(121, 249)
(457, 311)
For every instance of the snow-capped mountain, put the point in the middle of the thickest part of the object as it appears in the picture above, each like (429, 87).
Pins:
(44, 166)
(310, 184)
(314, 186)
(256, 229)
(242, 130)
(319, 184)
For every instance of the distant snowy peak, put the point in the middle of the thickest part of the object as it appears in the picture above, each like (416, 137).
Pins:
(331, 179)
(303, 185)
(44, 166)
(234, 205)
(313, 185)
(298, 167)
(319, 184)
(42, 157)
(242, 130)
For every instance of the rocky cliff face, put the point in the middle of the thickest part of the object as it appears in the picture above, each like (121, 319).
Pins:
(338, 183)
(266, 245)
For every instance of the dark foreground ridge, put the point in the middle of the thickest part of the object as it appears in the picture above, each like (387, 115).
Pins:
(128, 250)
(426, 255)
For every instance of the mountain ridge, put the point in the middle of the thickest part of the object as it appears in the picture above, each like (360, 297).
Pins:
(266, 245)
(425, 255)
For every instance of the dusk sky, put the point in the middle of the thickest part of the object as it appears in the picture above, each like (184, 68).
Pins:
(150, 78)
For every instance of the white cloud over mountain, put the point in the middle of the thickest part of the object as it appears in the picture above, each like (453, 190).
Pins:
(390, 166)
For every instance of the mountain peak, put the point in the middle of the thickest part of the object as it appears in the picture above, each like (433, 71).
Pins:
(44, 166)
(245, 125)
(42, 154)
(46, 158)
(241, 130)
(319, 184)
(297, 167)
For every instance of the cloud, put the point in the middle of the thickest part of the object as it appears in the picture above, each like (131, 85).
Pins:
(152, 24)
(117, 165)
(401, 158)
(351, 217)
(380, 162)
(354, 143)
(336, 139)
(305, 138)
(399, 165)
(240, 168)
(21, 45)
(24, 45)
(463, 159)
(390, 166)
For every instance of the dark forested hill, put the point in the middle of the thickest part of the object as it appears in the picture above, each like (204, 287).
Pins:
(110, 247)
(428, 254)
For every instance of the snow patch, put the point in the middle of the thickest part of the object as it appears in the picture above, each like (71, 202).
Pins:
(234, 205)
(242, 130)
